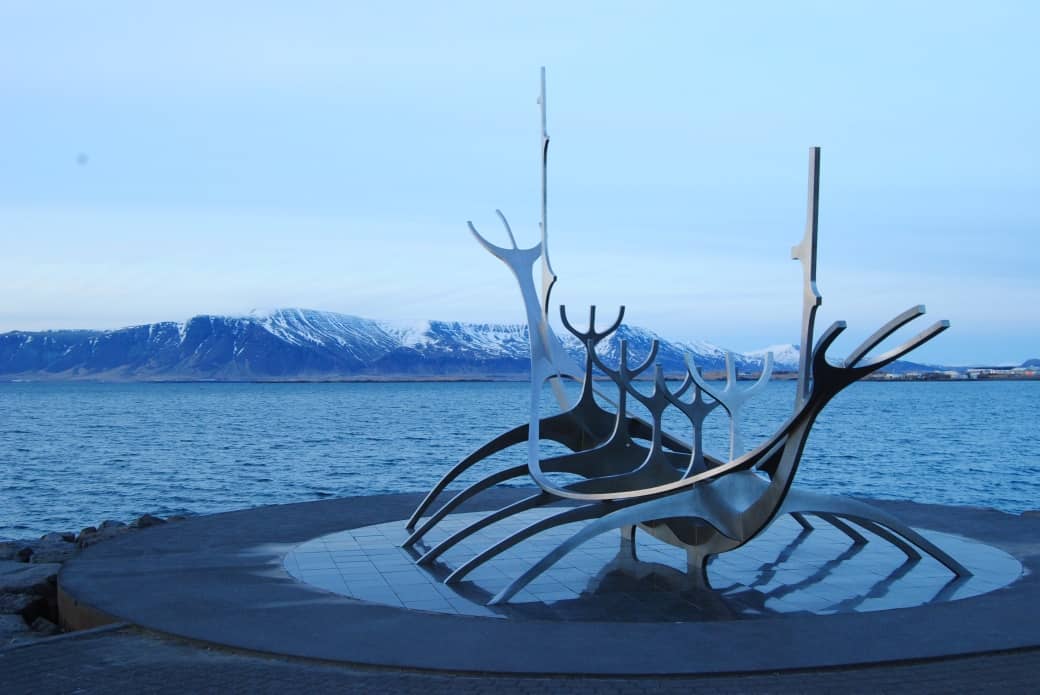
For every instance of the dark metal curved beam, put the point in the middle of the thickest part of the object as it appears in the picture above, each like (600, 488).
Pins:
(563, 429)
(454, 502)
(632, 512)
(503, 441)
(802, 521)
(882, 532)
(536, 500)
(856, 536)
(622, 459)
(880, 334)
(570, 516)
(874, 520)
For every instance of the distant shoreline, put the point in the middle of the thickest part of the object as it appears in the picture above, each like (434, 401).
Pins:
(411, 379)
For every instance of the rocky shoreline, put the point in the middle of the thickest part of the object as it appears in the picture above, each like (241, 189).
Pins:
(29, 576)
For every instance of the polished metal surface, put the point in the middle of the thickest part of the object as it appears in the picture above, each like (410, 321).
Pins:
(731, 397)
(805, 251)
(585, 426)
(633, 473)
(548, 276)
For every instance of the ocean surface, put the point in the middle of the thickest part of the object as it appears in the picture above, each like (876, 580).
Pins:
(74, 454)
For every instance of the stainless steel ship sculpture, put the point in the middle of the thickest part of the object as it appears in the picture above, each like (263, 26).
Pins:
(635, 474)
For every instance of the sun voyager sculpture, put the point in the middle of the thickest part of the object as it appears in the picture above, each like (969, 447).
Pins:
(634, 474)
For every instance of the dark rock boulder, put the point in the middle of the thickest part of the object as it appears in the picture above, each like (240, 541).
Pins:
(9, 549)
(28, 606)
(102, 534)
(11, 604)
(59, 551)
(44, 627)
(22, 578)
(146, 521)
(12, 627)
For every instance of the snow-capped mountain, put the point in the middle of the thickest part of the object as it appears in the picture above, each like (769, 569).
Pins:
(289, 344)
(785, 357)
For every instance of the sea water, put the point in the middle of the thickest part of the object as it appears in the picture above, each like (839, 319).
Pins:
(73, 454)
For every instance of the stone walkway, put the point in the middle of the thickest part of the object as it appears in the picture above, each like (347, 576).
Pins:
(127, 660)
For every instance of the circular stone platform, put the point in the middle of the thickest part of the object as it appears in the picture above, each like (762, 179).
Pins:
(326, 580)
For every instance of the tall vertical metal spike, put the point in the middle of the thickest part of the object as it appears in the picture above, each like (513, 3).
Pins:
(548, 276)
(805, 252)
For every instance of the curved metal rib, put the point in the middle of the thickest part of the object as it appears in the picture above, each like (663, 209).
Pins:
(856, 536)
(802, 521)
(630, 513)
(623, 457)
(561, 428)
(450, 505)
(623, 375)
(531, 502)
(576, 429)
(612, 468)
(588, 532)
(874, 520)
(514, 256)
(897, 352)
(878, 530)
(591, 334)
(585, 426)
(696, 411)
(732, 397)
(880, 334)
(549, 360)
(505, 440)
(567, 517)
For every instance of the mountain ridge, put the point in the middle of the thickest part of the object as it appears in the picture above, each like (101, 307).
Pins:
(305, 344)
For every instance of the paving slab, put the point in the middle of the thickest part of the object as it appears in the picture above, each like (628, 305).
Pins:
(130, 660)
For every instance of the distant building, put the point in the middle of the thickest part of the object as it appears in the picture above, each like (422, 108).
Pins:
(987, 373)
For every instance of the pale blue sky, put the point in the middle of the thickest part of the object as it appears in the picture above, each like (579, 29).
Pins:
(161, 160)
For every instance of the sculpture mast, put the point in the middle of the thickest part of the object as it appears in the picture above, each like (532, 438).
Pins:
(548, 276)
(805, 252)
